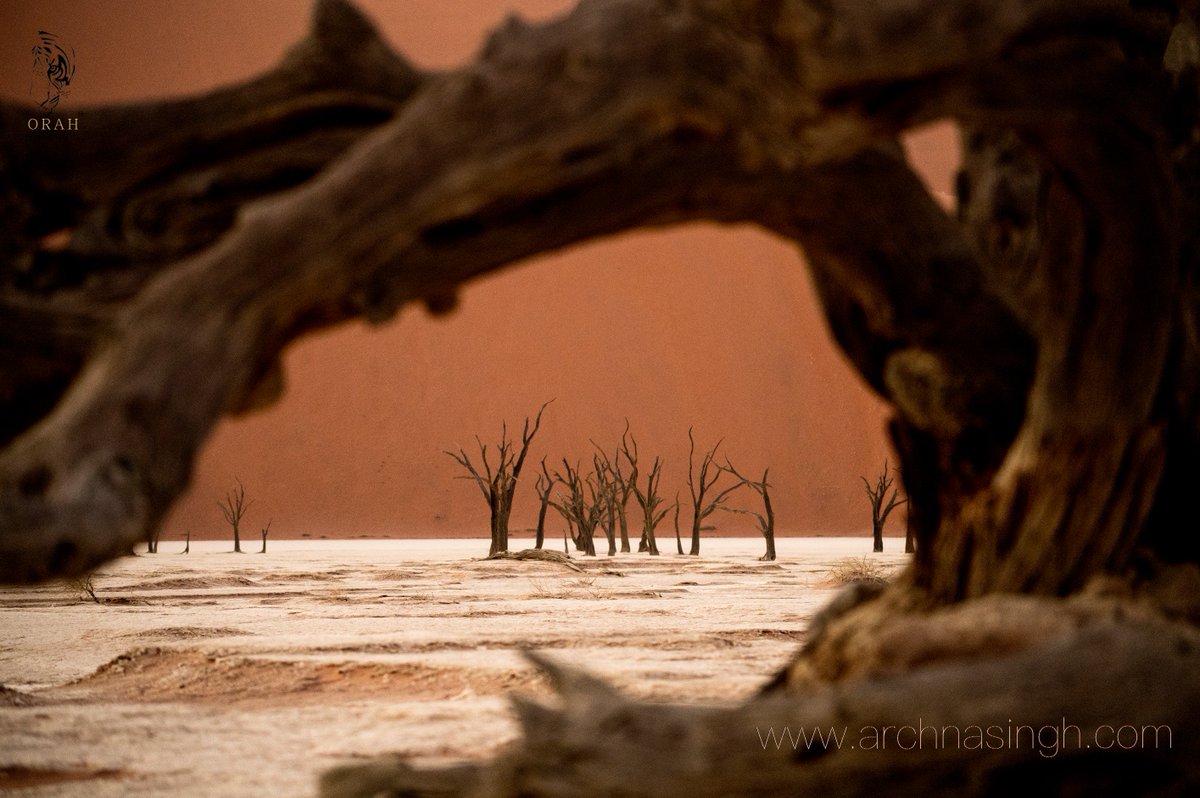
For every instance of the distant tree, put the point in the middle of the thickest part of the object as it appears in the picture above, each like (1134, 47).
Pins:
(766, 519)
(881, 504)
(543, 485)
(85, 586)
(152, 541)
(678, 541)
(701, 483)
(187, 545)
(233, 507)
(622, 474)
(499, 485)
(265, 530)
(579, 506)
(647, 498)
(605, 497)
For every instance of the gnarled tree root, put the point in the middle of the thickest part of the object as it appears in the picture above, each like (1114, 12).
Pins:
(1101, 702)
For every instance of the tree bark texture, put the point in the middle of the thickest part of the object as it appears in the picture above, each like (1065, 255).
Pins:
(1040, 348)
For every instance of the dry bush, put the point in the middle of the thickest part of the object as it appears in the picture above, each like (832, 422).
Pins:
(853, 570)
(84, 587)
(584, 587)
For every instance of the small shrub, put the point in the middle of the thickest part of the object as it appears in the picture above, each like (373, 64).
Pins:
(860, 569)
(83, 586)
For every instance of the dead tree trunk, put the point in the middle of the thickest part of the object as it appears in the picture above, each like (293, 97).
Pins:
(544, 485)
(233, 507)
(1038, 348)
(578, 507)
(648, 499)
(187, 542)
(678, 541)
(765, 519)
(264, 532)
(701, 484)
(882, 505)
(604, 496)
(498, 486)
(623, 485)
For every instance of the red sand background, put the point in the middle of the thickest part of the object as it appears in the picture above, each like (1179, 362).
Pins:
(702, 325)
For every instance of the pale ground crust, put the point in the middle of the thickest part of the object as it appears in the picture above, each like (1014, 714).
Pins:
(221, 674)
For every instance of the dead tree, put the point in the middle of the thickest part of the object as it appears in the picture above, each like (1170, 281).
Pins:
(578, 506)
(604, 496)
(264, 532)
(233, 507)
(543, 485)
(765, 519)
(881, 504)
(152, 541)
(624, 478)
(678, 541)
(647, 498)
(499, 484)
(1038, 347)
(187, 542)
(702, 484)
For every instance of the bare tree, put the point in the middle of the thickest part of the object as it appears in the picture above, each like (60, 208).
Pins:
(1037, 348)
(678, 541)
(647, 498)
(499, 484)
(544, 485)
(264, 531)
(615, 481)
(766, 519)
(233, 507)
(623, 477)
(187, 542)
(579, 507)
(152, 541)
(702, 483)
(881, 504)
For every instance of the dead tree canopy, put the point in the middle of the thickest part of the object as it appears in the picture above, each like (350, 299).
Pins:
(233, 507)
(1039, 348)
(765, 519)
(702, 485)
(882, 504)
(498, 484)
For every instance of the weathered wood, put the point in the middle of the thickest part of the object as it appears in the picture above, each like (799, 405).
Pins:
(1005, 724)
(1040, 351)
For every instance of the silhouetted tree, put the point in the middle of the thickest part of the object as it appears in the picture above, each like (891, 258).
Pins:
(499, 484)
(647, 498)
(265, 530)
(579, 506)
(678, 541)
(881, 504)
(233, 507)
(621, 477)
(766, 519)
(701, 484)
(544, 485)
(605, 497)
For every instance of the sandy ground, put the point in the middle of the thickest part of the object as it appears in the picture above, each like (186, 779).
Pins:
(221, 674)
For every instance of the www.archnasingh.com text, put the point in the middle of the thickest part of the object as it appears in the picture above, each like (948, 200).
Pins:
(1047, 740)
